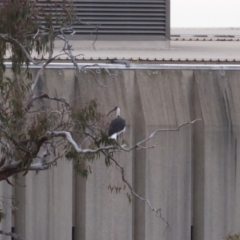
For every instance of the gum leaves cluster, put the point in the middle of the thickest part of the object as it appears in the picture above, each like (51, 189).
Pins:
(28, 117)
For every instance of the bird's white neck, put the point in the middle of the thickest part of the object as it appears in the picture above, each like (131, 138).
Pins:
(118, 112)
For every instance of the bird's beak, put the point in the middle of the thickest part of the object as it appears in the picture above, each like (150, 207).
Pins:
(111, 111)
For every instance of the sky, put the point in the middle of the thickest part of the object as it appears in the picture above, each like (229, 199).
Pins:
(205, 13)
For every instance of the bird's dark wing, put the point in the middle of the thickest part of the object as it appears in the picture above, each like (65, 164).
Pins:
(117, 125)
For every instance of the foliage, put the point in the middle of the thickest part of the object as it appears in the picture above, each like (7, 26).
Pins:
(2, 215)
(26, 139)
(26, 27)
(233, 237)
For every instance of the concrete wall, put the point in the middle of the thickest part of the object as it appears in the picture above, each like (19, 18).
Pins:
(193, 175)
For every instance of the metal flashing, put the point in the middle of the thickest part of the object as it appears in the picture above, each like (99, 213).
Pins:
(132, 66)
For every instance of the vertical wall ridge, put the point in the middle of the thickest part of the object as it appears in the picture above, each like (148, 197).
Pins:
(79, 183)
(139, 166)
(198, 180)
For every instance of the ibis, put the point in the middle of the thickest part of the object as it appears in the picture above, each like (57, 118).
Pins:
(117, 125)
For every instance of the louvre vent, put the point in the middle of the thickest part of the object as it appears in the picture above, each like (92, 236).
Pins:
(119, 17)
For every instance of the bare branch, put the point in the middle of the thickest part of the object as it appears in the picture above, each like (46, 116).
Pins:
(110, 74)
(95, 78)
(111, 147)
(67, 48)
(35, 81)
(138, 145)
(36, 34)
(15, 142)
(13, 40)
(75, 145)
(10, 164)
(156, 210)
(42, 164)
(45, 154)
(87, 138)
(13, 235)
(30, 102)
(35, 167)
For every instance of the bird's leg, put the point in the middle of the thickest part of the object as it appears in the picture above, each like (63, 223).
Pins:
(120, 136)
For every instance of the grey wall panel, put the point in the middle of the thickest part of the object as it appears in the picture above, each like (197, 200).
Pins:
(219, 102)
(6, 203)
(107, 215)
(168, 166)
(45, 200)
(192, 175)
(48, 205)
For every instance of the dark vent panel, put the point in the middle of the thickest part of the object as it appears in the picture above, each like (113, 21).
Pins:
(119, 17)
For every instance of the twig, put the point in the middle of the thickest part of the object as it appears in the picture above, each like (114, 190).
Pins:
(67, 48)
(30, 102)
(13, 235)
(36, 34)
(35, 81)
(156, 132)
(156, 210)
(95, 78)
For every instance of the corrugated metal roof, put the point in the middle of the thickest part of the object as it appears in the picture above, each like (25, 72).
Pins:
(181, 48)
(205, 34)
(205, 38)
(148, 57)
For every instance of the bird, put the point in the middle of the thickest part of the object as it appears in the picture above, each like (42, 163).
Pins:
(117, 125)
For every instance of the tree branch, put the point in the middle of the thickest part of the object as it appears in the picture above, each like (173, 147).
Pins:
(13, 140)
(138, 145)
(156, 210)
(13, 235)
(35, 81)
(112, 147)
(30, 102)
(75, 145)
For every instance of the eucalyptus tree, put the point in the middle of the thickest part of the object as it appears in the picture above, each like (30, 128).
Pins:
(33, 136)
(29, 140)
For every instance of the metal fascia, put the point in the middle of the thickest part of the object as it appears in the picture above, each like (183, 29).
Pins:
(83, 66)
